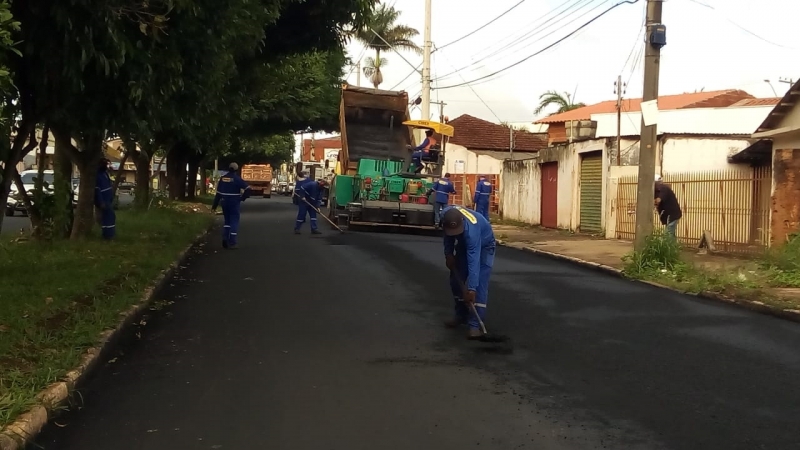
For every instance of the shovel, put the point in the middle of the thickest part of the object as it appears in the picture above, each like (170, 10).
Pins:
(319, 213)
(486, 336)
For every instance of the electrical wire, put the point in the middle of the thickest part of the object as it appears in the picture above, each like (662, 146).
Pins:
(639, 36)
(741, 27)
(477, 95)
(545, 24)
(416, 70)
(483, 26)
(547, 47)
(352, 67)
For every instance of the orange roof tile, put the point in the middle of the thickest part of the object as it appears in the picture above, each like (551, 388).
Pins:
(478, 134)
(712, 99)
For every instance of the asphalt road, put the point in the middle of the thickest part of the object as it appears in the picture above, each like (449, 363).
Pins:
(19, 222)
(334, 342)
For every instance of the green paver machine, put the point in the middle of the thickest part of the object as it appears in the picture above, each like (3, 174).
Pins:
(372, 187)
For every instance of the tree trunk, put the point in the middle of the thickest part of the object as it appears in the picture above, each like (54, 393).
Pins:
(62, 180)
(118, 175)
(194, 168)
(177, 159)
(87, 161)
(12, 157)
(141, 197)
(203, 171)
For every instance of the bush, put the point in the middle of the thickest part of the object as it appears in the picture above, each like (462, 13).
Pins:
(783, 263)
(661, 253)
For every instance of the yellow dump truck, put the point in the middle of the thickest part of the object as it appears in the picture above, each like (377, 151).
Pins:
(259, 177)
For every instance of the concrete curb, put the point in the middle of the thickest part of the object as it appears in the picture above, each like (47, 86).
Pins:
(755, 306)
(19, 433)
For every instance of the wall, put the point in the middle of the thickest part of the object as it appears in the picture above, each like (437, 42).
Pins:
(681, 154)
(521, 185)
(579, 148)
(520, 191)
(557, 133)
(785, 217)
(473, 163)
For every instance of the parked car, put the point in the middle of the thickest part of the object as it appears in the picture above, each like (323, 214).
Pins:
(14, 202)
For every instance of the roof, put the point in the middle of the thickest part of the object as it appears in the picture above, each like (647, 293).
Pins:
(712, 99)
(478, 134)
(530, 126)
(770, 101)
(785, 105)
(731, 121)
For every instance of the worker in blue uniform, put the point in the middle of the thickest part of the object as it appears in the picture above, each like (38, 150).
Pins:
(443, 188)
(104, 200)
(309, 199)
(469, 248)
(231, 192)
(483, 194)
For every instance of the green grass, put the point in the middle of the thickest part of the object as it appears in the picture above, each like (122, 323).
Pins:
(662, 261)
(57, 297)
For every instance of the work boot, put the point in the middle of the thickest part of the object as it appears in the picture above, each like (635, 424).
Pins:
(296, 231)
(474, 333)
(224, 243)
(316, 232)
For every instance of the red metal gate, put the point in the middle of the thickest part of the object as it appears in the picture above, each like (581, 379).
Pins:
(550, 195)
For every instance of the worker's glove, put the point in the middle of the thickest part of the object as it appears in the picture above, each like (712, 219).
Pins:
(469, 299)
(450, 261)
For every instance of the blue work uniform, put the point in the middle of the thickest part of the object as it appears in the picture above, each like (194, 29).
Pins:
(474, 251)
(483, 194)
(104, 201)
(310, 191)
(231, 192)
(419, 152)
(443, 188)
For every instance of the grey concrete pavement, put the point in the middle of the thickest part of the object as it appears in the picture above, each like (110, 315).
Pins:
(334, 342)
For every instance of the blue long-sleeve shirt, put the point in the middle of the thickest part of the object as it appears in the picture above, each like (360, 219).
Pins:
(311, 191)
(477, 237)
(102, 189)
(230, 187)
(483, 191)
(443, 188)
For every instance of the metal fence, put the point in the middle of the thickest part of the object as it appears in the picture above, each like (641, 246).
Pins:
(733, 205)
(465, 185)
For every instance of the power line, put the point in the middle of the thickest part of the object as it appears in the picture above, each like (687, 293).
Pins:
(477, 95)
(552, 21)
(482, 26)
(741, 27)
(363, 51)
(416, 70)
(631, 2)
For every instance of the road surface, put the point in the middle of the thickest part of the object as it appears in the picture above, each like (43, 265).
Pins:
(334, 342)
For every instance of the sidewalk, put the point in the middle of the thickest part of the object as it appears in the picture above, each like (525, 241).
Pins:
(745, 286)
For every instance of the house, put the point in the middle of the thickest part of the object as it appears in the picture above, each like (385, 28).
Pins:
(563, 126)
(581, 182)
(318, 150)
(782, 129)
(479, 147)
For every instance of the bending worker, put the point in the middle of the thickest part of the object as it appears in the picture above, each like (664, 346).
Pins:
(231, 192)
(469, 248)
(483, 195)
(104, 200)
(443, 188)
(422, 151)
(309, 199)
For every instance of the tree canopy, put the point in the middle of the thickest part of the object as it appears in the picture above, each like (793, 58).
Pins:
(194, 79)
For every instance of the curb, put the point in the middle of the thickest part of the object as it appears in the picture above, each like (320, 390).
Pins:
(751, 305)
(18, 434)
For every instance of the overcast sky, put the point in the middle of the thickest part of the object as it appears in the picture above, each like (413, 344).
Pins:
(727, 44)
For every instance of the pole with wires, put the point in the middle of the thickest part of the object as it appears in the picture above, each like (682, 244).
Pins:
(426, 65)
(649, 133)
(618, 88)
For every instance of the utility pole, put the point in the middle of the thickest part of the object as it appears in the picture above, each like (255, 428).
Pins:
(619, 88)
(510, 142)
(656, 38)
(358, 75)
(426, 65)
(788, 81)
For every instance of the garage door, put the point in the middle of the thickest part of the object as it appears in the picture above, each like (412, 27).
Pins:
(591, 192)
(550, 195)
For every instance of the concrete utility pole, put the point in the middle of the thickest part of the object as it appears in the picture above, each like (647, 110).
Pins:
(618, 89)
(649, 138)
(358, 75)
(426, 65)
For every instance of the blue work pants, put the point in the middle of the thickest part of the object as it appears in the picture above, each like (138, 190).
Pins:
(462, 311)
(231, 208)
(303, 209)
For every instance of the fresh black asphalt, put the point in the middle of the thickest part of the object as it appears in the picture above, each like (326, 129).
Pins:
(334, 342)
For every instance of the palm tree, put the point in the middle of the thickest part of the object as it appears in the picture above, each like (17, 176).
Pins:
(563, 101)
(382, 33)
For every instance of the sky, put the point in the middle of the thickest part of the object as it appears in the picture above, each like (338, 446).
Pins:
(711, 45)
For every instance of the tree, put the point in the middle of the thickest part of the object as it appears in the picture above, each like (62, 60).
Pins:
(563, 101)
(382, 34)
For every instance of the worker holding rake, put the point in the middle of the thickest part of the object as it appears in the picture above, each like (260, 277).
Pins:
(469, 248)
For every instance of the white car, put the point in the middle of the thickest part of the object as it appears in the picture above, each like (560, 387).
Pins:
(14, 202)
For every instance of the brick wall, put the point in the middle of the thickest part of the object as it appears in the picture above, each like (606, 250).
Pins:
(471, 180)
(557, 133)
(786, 196)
